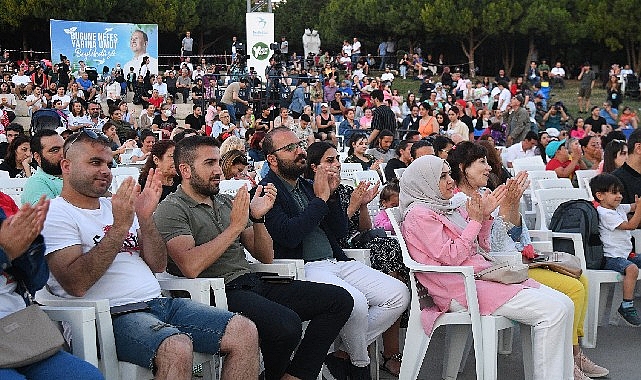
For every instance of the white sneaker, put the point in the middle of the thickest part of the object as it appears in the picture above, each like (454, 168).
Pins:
(579, 375)
(588, 367)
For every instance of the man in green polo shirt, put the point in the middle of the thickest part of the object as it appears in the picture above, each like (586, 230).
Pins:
(46, 147)
(206, 233)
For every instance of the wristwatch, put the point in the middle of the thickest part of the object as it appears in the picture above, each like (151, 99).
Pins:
(257, 220)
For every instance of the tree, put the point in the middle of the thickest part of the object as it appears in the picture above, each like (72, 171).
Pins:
(470, 23)
(293, 17)
(546, 19)
(616, 23)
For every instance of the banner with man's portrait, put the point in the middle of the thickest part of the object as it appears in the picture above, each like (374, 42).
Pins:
(101, 44)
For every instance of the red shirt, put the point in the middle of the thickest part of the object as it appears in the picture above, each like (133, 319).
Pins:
(156, 101)
(554, 163)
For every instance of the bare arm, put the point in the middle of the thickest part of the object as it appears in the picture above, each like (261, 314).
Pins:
(192, 259)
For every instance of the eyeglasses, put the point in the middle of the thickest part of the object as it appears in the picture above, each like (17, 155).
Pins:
(290, 147)
(88, 132)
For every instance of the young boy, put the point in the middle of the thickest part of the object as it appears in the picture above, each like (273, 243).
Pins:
(614, 228)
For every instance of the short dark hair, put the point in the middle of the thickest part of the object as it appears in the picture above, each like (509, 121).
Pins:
(305, 117)
(385, 133)
(465, 153)
(82, 136)
(402, 146)
(634, 139)
(378, 95)
(410, 134)
(440, 143)
(531, 135)
(146, 133)
(15, 127)
(36, 143)
(107, 125)
(196, 106)
(418, 145)
(604, 183)
(185, 152)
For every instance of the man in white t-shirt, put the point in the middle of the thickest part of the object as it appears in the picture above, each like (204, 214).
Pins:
(504, 96)
(557, 74)
(160, 86)
(521, 150)
(36, 100)
(356, 51)
(387, 76)
(60, 95)
(109, 248)
(22, 82)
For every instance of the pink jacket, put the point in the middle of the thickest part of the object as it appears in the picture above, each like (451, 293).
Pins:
(433, 240)
(381, 220)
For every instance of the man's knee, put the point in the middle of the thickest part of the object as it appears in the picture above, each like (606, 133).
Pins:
(174, 349)
(632, 270)
(240, 335)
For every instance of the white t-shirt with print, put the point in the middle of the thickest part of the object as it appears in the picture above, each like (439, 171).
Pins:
(129, 279)
(616, 242)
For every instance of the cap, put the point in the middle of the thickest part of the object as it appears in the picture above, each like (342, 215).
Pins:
(552, 147)
(553, 132)
(439, 84)
(323, 105)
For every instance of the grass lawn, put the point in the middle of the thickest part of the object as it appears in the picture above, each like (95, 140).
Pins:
(568, 95)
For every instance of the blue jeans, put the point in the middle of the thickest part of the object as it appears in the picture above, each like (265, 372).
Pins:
(61, 366)
(138, 335)
(232, 112)
(619, 264)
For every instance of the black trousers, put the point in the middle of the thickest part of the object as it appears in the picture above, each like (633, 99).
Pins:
(278, 310)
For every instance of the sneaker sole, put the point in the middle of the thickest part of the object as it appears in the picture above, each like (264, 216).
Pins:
(596, 375)
(628, 323)
(326, 373)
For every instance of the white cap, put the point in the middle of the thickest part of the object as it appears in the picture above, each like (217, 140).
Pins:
(553, 132)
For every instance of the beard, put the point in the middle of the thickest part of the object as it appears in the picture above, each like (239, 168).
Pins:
(50, 167)
(204, 186)
(292, 169)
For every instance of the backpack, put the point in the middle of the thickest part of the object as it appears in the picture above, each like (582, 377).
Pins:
(45, 118)
(579, 216)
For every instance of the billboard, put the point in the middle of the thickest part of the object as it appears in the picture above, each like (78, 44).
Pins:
(260, 33)
(102, 44)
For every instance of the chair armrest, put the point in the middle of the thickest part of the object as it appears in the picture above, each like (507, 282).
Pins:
(636, 234)
(83, 329)
(577, 241)
(281, 268)
(361, 255)
(198, 288)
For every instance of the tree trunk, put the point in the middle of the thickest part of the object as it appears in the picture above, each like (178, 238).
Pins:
(530, 51)
(469, 53)
(508, 56)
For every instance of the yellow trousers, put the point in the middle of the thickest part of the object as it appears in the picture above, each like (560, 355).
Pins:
(576, 289)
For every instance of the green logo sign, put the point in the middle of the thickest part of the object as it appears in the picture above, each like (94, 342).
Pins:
(260, 51)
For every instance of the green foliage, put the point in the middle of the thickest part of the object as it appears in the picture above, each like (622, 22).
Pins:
(293, 17)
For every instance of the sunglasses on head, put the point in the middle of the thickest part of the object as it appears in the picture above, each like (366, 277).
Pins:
(73, 138)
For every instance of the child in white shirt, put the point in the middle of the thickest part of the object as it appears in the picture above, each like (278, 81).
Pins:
(614, 229)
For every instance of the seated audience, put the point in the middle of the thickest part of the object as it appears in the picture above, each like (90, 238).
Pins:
(306, 222)
(162, 161)
(439, 232)
(23, 269)
(109, 248)
(614, 231)
(205, 233)
(18, 159)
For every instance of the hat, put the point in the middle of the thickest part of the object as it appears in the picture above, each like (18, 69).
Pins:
(439, 84)
(552, 147)
(553, 132)
(323, 105)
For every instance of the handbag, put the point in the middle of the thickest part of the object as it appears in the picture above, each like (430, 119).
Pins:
(560, 262)
(502, 272)
(28, 336)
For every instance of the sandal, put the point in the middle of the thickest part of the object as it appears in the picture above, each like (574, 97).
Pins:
(398, 357)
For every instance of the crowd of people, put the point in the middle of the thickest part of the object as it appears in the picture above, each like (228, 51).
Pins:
(457, 198)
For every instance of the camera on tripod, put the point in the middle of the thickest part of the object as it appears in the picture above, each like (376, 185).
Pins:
(241, 53)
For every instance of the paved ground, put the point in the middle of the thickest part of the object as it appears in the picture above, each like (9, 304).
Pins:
(617, 349)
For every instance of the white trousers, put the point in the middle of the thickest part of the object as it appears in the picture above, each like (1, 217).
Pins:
(379, 300)
(550, 313)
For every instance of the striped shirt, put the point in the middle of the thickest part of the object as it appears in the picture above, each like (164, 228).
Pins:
(383, 118)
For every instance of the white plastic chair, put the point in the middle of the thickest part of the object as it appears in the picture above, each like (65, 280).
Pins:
(583, 178)
(549, 199)
(399, 172)
(231, 186)
(382, 168)
(484, 328)
(528, 200)
(108, 364)
(348, 169)
(556, 183)
(528, 163)
(13, 187)
(82, 322)
(132, 171)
